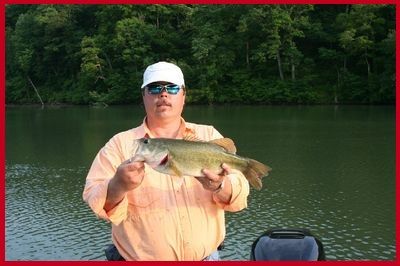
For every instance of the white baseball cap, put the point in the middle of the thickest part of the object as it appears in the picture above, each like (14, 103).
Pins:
(163, 71)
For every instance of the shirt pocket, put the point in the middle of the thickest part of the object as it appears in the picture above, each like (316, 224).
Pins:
(147, 197)
(144, 201)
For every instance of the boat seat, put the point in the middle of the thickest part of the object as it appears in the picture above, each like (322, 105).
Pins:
(287, 245)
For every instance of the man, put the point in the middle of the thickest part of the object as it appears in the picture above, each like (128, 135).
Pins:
(156, 216)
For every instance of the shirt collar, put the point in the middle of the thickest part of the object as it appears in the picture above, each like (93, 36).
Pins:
(145, 131)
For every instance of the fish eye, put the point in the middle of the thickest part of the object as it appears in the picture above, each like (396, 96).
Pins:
(146, 141)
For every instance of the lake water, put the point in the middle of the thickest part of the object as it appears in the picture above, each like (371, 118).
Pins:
(333, 173)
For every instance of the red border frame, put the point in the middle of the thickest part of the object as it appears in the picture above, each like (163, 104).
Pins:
(2, 120)
(199, 2)
(2, 128)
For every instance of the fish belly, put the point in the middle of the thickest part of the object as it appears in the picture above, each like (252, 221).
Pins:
(192, 163)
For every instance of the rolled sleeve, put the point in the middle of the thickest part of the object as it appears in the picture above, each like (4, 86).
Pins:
(240, 191)
(119, 213)
(96, 196)
(95, 192)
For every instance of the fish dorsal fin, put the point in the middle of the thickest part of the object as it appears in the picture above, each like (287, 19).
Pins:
(191, 137)
(225, 143)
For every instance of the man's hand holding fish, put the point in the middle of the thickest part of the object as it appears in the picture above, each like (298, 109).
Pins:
(129, 176)
(218, 183)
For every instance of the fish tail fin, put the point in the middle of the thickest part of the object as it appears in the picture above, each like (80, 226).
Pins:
(254, 172)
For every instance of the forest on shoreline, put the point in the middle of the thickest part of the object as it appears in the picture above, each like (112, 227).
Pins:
(247, 54)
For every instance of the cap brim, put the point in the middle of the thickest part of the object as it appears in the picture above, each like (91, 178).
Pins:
(165, 77)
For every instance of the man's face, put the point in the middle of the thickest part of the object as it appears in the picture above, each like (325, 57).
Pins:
(163, 105)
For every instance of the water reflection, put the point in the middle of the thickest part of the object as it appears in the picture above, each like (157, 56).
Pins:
(46, 218)
(333, 173)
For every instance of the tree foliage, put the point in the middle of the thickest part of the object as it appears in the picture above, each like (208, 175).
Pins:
(262, 54)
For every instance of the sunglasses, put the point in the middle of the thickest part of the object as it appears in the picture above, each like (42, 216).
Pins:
(158, 88)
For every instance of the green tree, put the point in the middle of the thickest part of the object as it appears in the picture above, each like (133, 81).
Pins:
(84, 54)
(358, 39)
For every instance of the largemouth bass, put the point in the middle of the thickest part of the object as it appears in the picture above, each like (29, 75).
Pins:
(184, 157)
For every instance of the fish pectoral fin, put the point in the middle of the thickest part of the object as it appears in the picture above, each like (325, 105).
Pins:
(225, 143)
(174, 168)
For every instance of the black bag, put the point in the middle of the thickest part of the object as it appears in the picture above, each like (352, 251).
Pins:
(287, 245)
(112, 253)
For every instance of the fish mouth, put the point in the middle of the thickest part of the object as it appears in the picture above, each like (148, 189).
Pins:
(164, 161)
